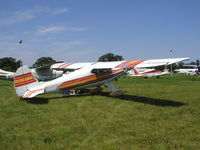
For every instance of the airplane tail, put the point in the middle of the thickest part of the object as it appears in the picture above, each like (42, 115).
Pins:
(26, 84)
(135, 72)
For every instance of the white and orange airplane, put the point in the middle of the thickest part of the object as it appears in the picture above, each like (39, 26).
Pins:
(146, 73)
(81, 76)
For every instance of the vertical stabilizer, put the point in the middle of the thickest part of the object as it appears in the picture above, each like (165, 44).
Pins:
(26, 84)
(135, 72)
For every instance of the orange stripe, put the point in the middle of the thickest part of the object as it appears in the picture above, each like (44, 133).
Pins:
(31, 92)
(24, 83)
(129, 64)
(61, 66)
(64, 65)
(22, 75)
(24, 79)
(88, 80)
(76, 80)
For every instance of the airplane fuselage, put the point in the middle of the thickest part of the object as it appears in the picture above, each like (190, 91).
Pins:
(82, 78)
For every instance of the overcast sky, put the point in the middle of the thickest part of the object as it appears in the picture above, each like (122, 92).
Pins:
(83, 30)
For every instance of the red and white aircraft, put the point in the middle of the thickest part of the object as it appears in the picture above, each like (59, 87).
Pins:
(81, 76)
(146, 73)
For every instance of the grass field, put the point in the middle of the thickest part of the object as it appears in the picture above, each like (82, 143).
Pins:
(154, 114)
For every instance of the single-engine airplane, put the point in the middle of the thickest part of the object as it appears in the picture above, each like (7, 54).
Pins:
(146, 73)
(84, 75)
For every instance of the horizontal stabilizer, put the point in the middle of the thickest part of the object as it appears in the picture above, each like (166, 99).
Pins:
(33, 92)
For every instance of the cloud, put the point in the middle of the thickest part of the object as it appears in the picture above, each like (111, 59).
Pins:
(76, 28)
(20, 16)
(60, 11)
(77, 55)
(44, 30)
(57, 48)
(17, 17)
(25, 15)
(55, 29)
(62, 45)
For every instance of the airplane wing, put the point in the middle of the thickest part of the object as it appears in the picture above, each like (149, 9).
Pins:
(118, 64)
(69, 66)
(107, 66)
(127, 65)
(159, 62)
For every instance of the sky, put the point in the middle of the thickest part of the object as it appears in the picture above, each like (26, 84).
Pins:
(83, 30)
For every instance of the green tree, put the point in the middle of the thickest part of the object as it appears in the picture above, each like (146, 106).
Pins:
(110, 57)
(42, 61)
(10, 64)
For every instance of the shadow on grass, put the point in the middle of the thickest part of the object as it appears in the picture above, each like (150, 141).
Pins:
(147, 100)
(45, 100)
(37, 100)
(139, 99)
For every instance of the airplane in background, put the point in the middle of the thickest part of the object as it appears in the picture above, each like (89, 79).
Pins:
(186, 71)
(7, 74)
(42, 74)
(190, 70)
(81, 76)
(146, 73)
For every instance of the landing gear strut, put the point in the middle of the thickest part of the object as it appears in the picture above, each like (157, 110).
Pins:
(115, 92)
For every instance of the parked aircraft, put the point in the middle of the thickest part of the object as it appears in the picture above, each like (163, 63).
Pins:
(81, 76)
(7, 74)
(186, 71)
(41, 74)
(190, 69)
(146, 73)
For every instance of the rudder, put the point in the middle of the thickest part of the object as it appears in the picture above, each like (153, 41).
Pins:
(25, 81)
(135, 72)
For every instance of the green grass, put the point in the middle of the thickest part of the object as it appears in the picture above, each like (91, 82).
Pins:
(154, 114)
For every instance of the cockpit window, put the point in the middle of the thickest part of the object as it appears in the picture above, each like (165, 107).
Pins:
(101, 71)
